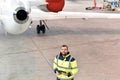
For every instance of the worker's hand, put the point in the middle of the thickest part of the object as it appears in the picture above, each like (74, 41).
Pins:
(57, 73)
(65, 74)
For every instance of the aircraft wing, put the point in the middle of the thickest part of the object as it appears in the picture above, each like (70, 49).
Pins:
(38, 14)
(37, 2)
(89, 15)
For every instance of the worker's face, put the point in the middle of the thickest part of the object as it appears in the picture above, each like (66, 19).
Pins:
(64, 50)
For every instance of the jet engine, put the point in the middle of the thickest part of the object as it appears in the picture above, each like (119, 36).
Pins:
(53, 6)
(16, 17)
(18, 22)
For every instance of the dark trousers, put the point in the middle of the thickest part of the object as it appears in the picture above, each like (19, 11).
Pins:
(59, 79)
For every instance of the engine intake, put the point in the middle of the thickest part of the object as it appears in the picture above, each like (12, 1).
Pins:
(20, 15)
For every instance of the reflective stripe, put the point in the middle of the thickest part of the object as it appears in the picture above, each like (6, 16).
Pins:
(61, 66)
(69, 66)
(75, 68)
(65, 79)
(58, 58)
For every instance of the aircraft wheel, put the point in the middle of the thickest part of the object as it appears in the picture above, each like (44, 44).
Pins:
(38, 29)
(42, 28)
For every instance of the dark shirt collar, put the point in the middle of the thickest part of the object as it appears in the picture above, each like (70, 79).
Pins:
(65, 55)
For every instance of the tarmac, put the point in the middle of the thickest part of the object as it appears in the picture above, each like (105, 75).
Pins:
(95, 43)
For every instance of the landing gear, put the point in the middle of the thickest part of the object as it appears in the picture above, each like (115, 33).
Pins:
(42, 27)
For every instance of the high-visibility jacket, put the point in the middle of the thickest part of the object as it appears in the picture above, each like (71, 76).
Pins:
(66, 64)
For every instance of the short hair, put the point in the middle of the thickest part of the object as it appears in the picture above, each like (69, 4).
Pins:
(65, 46)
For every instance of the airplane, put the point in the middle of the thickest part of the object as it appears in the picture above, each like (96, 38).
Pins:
(16, 16)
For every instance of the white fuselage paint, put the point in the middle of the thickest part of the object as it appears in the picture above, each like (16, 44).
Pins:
(7, 10)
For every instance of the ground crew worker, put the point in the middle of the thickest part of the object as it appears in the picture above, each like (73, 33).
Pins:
(64, 65)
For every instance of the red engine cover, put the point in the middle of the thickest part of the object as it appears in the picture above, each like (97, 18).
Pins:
(55, 5)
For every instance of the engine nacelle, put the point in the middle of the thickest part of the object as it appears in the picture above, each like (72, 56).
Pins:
(16, 17)
(53, 5)
(14, 28)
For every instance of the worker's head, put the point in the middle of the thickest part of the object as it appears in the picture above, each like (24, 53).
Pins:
(64, 49)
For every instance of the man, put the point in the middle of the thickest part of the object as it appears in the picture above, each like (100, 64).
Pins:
(64, 65)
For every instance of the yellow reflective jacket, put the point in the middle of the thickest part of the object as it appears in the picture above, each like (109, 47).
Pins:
(66, 64)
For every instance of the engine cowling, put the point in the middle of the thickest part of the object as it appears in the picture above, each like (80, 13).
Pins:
(18, 22)
(16, 18)
(53, 6)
